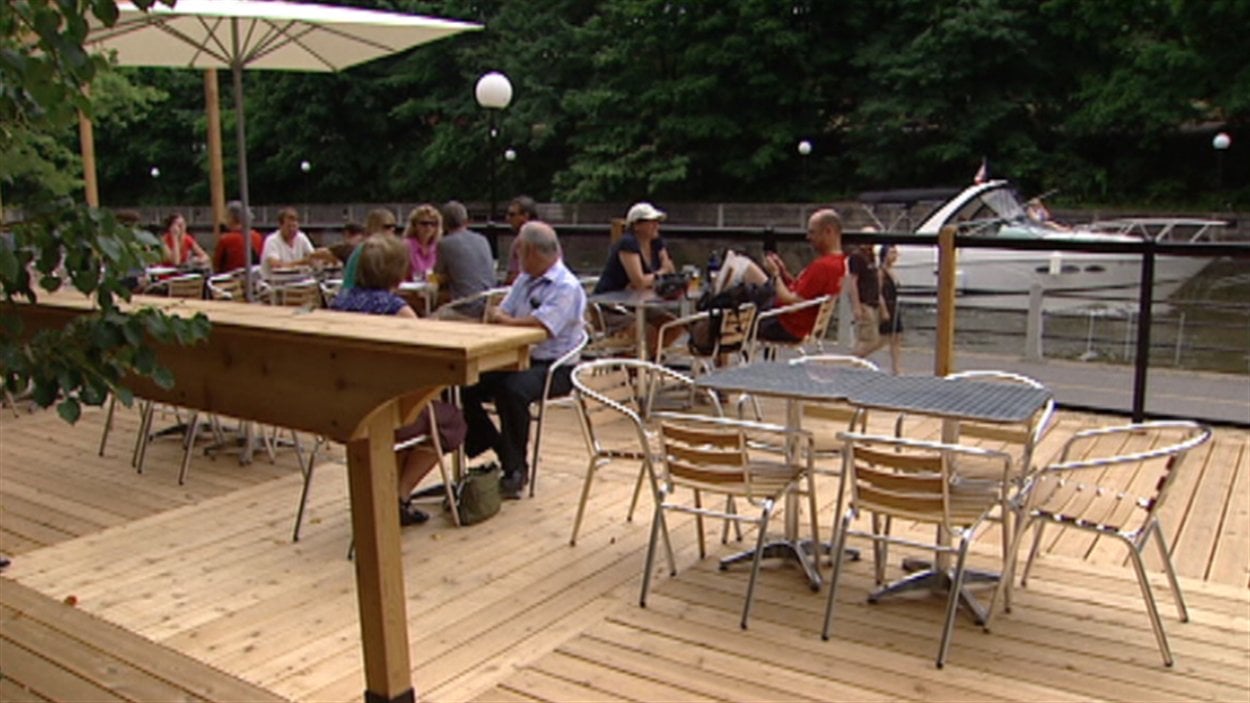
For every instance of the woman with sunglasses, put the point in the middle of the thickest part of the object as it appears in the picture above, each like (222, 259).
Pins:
(425, 228)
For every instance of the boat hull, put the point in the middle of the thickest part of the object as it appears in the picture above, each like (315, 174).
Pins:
(1001, 279)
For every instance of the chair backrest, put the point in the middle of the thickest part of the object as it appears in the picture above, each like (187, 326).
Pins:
(298, 295)
(916, 480)
(486, 299)
(189, 286)
(703, 457)
(617, 388)
(225, 287)
(1023, 437)
(1132, 465)
(833, 416)
(735, 328)
(824, 315)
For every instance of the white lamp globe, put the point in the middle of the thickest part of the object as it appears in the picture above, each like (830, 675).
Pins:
(805, 148)
(305, 166)
(493, 90)
(1222, 141)
(156, 172)
(509, 154)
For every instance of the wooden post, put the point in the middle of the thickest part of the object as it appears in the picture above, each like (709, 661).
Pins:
(618, 229)
(371, 477)
(216, 177)
(86, 139)
(944, 353)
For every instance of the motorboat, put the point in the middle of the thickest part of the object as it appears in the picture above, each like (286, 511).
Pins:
(1002, 278)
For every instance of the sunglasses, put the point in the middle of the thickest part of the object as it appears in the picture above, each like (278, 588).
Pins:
(390, 226)
(427, 223)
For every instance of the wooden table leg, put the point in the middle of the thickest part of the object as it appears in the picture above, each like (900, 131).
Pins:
(371, 472)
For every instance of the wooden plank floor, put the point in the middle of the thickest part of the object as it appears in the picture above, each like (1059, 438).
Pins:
(507, 610)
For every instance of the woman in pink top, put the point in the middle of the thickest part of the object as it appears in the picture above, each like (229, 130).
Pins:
(180, 247)
(425, 228)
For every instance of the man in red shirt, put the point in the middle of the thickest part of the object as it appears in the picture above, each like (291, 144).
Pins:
(230, 254)
(821, 277)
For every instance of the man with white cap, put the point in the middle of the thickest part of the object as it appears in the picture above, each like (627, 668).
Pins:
(636, 261)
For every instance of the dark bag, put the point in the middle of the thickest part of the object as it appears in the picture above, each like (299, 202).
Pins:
(671, 286)
(477, 494)
(703, 333)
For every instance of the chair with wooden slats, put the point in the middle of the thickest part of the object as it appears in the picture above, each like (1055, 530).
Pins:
(729, 331)
(472, 307)
(610, 390)
(710, 455)
(188, 286)
(306, 294)
(1020, 440)
(226, 286)
(763, 349)
(1104, 485)
(893, 477)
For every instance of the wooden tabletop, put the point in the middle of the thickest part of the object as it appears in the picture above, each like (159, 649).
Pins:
(319, 371)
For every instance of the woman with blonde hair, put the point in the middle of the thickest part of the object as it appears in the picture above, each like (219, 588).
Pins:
(383, 266)
(425, 228)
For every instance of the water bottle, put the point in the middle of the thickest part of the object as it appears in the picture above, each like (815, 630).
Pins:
(713, 267)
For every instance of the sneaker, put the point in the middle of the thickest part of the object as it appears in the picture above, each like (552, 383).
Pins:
(511, 485)
(409, 515)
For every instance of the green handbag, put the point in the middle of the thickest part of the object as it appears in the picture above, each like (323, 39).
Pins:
(477, 494)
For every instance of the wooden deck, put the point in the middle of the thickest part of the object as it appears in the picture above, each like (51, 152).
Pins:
(506, 610)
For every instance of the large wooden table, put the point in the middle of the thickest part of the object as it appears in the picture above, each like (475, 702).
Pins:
(348, 377)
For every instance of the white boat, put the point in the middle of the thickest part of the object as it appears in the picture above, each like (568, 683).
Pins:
(1002, 278)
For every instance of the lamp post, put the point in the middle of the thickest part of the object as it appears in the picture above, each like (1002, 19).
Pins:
(305, 167)
(155, 172)
(805, 150)
(1220, 143)
(493, 92)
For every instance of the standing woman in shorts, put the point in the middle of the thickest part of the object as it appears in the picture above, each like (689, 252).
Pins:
(891, 327)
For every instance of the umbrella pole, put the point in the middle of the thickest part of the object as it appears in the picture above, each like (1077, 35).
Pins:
(240, 134)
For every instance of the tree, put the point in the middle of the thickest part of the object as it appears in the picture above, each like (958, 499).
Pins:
(54, 242)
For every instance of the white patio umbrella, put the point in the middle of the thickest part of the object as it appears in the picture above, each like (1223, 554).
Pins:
(263, 34)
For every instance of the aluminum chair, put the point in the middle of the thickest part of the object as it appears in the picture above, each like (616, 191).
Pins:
(710, 455)
(763, 349)
(614, 389)
(729, 332)
(546, 401)
(894, 477)
(1093, 487)
(430, 440)
(1019, 440)
(463, 308)
(225, 286)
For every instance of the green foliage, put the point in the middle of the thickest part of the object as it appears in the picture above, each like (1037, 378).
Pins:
(679, 99)
(54, 243)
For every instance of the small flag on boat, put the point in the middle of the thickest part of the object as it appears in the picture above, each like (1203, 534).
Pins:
(983, 173)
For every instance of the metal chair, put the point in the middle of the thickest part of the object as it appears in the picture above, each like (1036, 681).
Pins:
(226, 286)
(893, 477)
(570, 357)
(465, 307)
(430, 440)
(710, 455)
(610, 389)
(825, 306)
(304, 294)
(729, 332)
(1094, 487)
(1019, 440)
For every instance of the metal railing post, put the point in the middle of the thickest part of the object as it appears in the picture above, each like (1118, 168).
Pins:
(1145, 303)
(1033, 326)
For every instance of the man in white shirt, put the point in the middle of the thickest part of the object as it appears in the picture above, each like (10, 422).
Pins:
(288, 247)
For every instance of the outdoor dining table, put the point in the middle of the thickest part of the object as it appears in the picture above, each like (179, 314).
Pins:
(639, 301)
(950, 399)
(337, 375)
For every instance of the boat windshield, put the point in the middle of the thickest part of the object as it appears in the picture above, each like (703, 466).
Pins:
(982, 215)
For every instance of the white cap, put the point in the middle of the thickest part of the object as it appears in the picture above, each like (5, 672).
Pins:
(644, 211)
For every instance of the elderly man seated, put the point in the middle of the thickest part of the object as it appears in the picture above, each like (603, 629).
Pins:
(545, 295)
